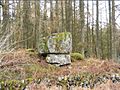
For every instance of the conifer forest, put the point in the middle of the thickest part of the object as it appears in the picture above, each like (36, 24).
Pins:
(59, 45)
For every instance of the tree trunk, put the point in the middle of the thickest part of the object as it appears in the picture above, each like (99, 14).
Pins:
(82, 23)
(114, 54)
(97, 30)
(110, 32)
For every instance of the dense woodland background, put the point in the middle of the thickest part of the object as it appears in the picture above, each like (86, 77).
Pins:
(24, 23)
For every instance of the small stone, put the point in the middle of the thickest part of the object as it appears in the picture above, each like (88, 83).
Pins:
(117, 77)
(45, 81)
(104, 79)
(71, 81)
(82, 84)
(38, 82)
(113, 78)
(59, 78)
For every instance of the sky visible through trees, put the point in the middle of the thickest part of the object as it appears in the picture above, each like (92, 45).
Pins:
(103, 7)
(103, 10)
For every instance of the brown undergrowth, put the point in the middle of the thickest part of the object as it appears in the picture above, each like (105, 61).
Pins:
(22, 64)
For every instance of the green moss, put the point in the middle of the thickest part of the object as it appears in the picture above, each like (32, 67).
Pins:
(15, 84)
(76, 56)
(60, 37)
(31, 52)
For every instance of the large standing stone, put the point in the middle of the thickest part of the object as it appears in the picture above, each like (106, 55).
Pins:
(58, 46)
(56, 43)
(60, 43)
(59, 59)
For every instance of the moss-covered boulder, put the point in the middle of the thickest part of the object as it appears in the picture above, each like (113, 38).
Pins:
(60, 43)
(56, 43)
(76, 56)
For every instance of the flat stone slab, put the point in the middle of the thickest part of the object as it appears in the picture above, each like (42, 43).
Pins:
(59, 59)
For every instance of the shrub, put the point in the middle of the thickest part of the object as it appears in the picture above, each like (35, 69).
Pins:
(76, 56)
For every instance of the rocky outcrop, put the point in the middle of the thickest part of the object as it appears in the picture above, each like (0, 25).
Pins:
(58, 46)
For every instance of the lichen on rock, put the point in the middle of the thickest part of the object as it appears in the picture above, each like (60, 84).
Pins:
(56, 43)
(58, 46)
(60, 43)
(59, 60)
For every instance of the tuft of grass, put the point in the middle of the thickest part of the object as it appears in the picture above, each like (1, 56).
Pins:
(76, 56)
(32, 52)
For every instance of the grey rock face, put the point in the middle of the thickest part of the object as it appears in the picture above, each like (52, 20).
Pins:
(60, 43)
(59, 59)
(56, 43)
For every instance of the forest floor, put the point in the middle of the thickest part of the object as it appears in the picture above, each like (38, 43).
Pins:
(22, 65)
